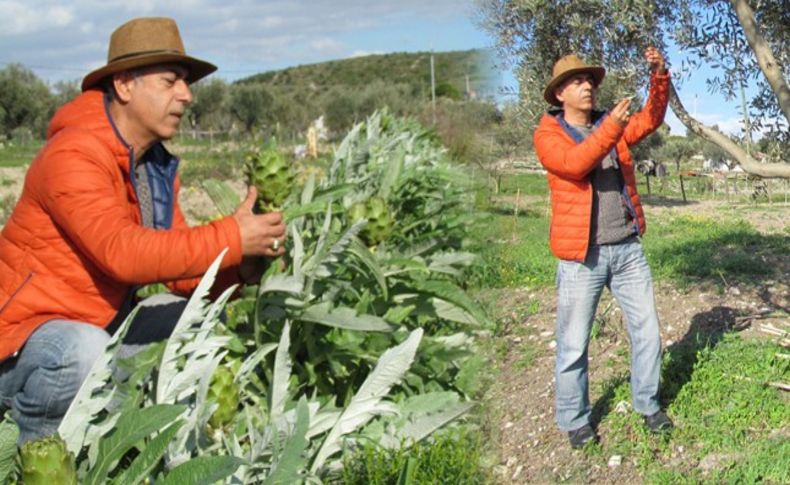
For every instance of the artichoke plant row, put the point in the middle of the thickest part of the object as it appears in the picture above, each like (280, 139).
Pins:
(364, 335)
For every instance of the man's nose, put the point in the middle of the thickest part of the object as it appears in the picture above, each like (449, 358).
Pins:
(184, 93)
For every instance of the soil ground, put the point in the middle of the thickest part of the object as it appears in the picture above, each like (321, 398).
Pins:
(531, 449)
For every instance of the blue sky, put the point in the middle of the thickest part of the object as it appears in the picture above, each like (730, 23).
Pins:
(64, 40)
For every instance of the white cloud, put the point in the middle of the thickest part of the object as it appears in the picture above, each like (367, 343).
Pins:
(327, 45)
(18, 18)
(364, 53)
(239, 36)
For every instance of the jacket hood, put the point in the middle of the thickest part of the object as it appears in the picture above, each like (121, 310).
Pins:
(88, 113)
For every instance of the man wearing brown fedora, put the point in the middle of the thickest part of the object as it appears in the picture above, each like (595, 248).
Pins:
(99, 217)
(596, 223)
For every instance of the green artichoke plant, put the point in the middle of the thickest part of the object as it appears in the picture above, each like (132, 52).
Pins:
(379, 218)
(46, 461)
(272, 175)
(225, 393)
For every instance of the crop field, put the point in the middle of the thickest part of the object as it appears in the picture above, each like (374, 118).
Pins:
(721, 280)
(407, 338)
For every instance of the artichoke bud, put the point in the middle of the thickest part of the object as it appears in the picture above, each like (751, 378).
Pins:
(225, 393)
(272, 175)
(47, 461)
(377, 213)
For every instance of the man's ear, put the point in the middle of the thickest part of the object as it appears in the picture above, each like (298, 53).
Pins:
(122, 83)
(558, 93)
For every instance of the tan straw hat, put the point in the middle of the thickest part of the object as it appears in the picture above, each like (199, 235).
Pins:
(568, 66)
(147, 41)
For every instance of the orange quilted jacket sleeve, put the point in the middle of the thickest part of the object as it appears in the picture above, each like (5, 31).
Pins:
(561, 155)
(225, 278)
(96, 219)
(649, 118)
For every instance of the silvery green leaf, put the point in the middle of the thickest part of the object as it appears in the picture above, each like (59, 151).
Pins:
(291, 460)
(364, 255)
(395, 266)
(92, 398)
(203, 470)
(452, 312)
(95, 432)
(308, 189)
(451, 263)
(421, 426)
(224, 197)
(282, 374)
(391, 173)
(366, 403)
(148, 458)
(9, 433)
(451, 293)
(251, 362)
(194, 313)
(397, 314)
(322, 422)
(297, 253)
(131, 427)
(283, 283)
(324, 256)
(344, 317)
(456, 340)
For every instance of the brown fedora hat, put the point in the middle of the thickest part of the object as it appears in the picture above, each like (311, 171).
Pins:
(144, 42)
(568, 66)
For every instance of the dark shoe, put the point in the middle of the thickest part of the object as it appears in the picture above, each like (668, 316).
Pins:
(658, 422)
(582, 436)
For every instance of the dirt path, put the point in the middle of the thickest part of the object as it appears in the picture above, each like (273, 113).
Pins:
(530, 447)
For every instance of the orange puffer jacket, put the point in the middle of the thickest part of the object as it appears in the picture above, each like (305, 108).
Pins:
(75, 246)
(569, 164)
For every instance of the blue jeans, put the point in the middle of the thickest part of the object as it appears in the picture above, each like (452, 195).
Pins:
(624, 270)
(39, 384)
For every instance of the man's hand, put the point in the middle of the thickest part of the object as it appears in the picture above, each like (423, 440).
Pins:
(620, 112)
(655, 59)
(259, 231)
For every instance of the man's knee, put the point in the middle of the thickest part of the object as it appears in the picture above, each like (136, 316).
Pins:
(52, 366)
(75, 348)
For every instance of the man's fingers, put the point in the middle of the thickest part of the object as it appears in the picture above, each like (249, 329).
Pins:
(249, 202)
(273, 218)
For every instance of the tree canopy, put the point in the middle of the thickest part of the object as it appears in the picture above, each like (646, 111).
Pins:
(745, 41)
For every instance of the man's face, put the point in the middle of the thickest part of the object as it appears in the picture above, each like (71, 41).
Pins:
(577, 92)
(157, 99)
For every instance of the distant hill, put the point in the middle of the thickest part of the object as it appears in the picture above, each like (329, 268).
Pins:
(452, 69)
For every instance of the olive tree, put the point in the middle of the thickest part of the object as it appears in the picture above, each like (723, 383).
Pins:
(25, 102)
(747, 41)
(251, 104)
(209, 104)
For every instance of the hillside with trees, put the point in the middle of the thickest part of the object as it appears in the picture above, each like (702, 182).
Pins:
(283, 103)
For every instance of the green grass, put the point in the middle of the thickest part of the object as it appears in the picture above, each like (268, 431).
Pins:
(684, 249)
(715, 392)
(517, 252)
(526, 184)
(451, 457)
(690, 249)
(17, 154)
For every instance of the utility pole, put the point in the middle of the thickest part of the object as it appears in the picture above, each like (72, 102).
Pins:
(433, 91)
(467, 87)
